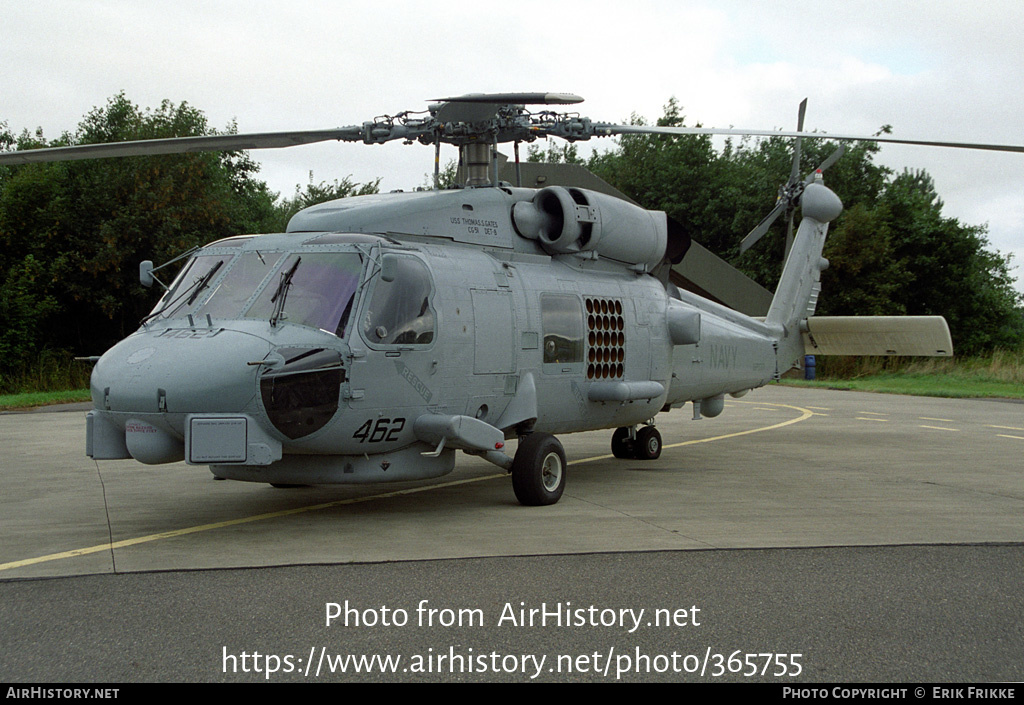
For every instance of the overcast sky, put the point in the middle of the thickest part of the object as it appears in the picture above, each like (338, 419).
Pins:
(937, 69)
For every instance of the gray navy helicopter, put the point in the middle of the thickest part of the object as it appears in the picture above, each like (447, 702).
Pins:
(381, 334)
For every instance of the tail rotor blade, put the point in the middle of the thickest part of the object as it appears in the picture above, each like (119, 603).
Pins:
(789, 194)
(833, 158)
(758, 232)
(794, 173)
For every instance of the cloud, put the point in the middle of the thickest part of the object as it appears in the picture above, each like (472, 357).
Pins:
(942, 69)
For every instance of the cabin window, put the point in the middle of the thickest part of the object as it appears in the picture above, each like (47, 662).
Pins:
(399, 312)
(562, 320)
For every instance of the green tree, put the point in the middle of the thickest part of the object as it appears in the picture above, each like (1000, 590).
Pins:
(757, 169)
(557, 152)
(663, 172)
(864, 275)
(447, 177)
(73, 233)
(315, 193)
(891, 251)
(950, 269)
(26, 305)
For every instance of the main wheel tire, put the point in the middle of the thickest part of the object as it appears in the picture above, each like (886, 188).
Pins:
(648, 443)
(538, 470)
(622, 444)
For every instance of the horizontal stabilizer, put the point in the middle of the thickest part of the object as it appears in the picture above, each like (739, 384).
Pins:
(878, 335)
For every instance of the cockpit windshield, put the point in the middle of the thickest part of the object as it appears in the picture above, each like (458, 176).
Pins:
(320, 291)
(236, 288)
(184, 295)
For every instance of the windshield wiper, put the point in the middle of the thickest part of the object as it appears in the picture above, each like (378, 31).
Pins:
(195, 287)
(282, 292)
(204, 282)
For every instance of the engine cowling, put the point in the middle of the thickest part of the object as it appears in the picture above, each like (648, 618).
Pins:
(573, 220)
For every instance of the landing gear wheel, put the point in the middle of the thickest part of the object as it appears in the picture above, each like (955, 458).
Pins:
(648, 443)
(538, 470)
(622, 444)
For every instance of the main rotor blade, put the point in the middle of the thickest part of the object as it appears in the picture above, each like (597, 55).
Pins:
(182, 145)
(761, 228)
(608, 129)
(515, 98)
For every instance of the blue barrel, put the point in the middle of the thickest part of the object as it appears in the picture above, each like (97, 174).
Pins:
(809, 366)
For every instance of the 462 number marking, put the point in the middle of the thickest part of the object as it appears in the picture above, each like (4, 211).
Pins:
(384, 430)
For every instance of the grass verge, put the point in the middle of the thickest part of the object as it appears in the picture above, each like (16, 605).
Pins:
(9, 402)
(996, 374)
(919, 385)
(53, 377)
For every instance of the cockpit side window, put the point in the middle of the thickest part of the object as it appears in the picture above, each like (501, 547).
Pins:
(399, 312)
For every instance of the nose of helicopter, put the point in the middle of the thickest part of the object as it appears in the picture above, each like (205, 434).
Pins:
(184, 371)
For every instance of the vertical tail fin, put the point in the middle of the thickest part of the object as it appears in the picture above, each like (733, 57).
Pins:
(798, 289)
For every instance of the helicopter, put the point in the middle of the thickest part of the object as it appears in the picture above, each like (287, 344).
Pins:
(381, 334)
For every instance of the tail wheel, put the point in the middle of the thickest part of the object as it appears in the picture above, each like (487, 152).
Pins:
(648, 443)
(622, 444)
(538, 470)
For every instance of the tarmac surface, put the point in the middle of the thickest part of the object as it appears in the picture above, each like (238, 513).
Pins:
(832, 536)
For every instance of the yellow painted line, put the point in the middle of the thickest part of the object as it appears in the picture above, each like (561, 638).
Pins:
(230, 522)
(820, 408)
(1008, 428)
(864, 418)
(805, 414)
(939, 428)
(872, 413)
(1003, 435)
(929, 418)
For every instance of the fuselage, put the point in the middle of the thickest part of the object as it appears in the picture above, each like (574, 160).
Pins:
(309, 356)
